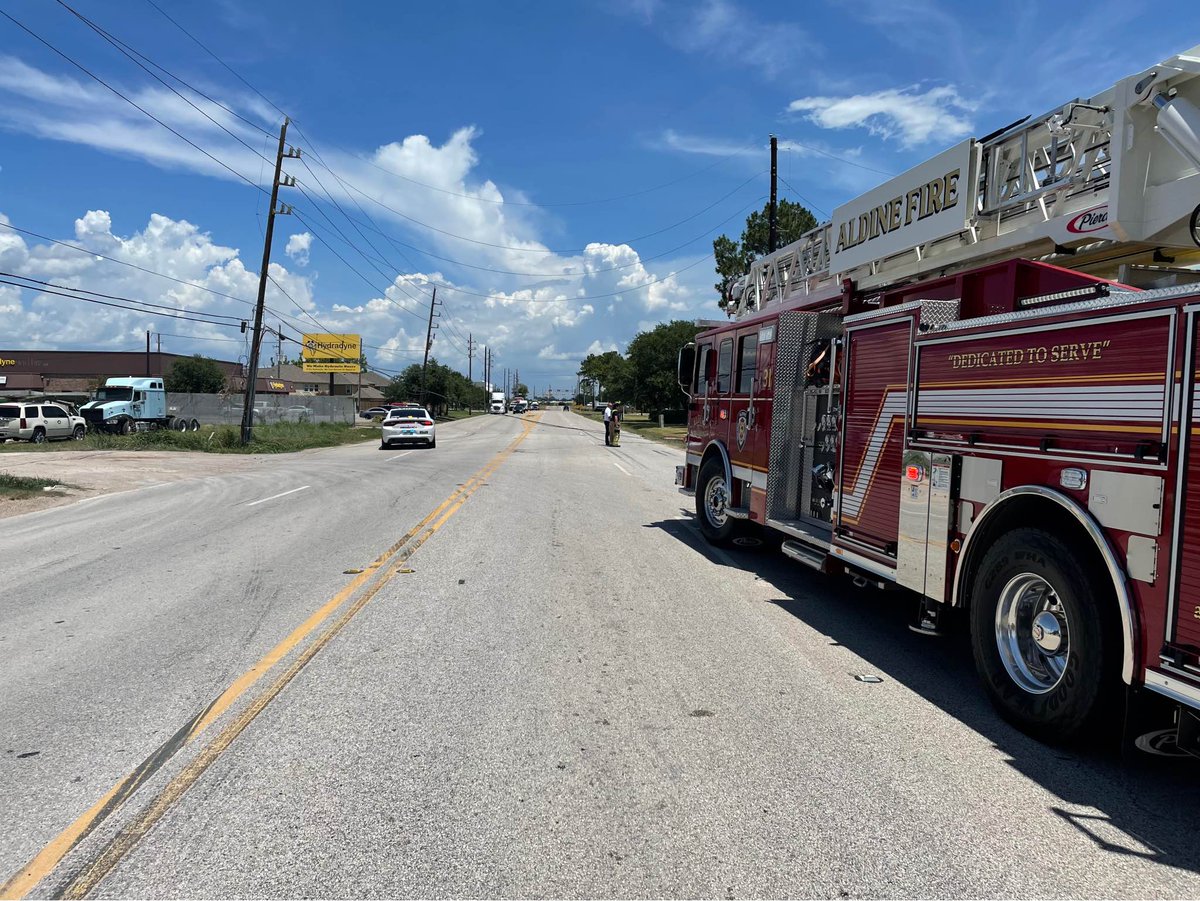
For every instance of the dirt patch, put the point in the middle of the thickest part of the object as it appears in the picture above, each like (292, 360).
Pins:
(103, 472)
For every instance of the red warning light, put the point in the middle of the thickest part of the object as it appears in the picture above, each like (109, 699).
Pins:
(915, 473)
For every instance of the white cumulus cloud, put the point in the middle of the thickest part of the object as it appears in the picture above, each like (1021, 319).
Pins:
(298, 246)
(905, 114)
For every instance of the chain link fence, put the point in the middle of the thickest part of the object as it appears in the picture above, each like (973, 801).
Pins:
(222, 409)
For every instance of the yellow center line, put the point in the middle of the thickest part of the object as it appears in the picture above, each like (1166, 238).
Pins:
(45, 862)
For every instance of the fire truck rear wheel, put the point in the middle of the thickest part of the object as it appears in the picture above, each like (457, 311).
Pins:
(712, 497)
(1043, 637)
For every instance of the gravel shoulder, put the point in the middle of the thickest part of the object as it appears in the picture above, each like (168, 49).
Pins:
(105, 472)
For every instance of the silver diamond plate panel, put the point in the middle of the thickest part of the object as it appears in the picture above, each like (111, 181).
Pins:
(1116, 300)
(937, 314)
(797, 332)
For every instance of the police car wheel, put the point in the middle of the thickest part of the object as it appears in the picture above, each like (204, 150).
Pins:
(1044, 635)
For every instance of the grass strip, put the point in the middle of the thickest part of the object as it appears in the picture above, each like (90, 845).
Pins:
(276, 438)
(21, 487)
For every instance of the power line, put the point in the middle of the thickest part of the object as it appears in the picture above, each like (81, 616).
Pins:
(198, 338)
(129, 53)
(120, 306)
(381, 291)
(93, 253)
(36, 281)
(582, 297)
(414, 181)
(545, 250)
(324, 327)
(560, 274)
(834, 156)
(807, 202)
(132, 103)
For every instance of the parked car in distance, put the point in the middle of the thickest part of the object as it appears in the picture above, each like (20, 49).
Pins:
(533, 405)
(408, 425)
(297, 414)
(39, 422)
(375, 411)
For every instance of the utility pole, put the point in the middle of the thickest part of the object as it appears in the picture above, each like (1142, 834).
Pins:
(278, 350)
(428, 344)
(773, 214)
(256, 340)
(470, 367)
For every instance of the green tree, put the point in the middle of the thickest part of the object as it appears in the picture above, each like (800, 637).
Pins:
(404, 387)
(522, 390)
(652, 361)
(608, 373)
(734, 257)
(195, 375)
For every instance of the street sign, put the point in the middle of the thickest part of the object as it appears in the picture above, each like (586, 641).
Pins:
(323, 352)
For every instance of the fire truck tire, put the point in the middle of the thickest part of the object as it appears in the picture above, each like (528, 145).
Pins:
(1043, 635)
(712, 496)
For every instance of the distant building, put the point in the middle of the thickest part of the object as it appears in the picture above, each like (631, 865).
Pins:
(75, 374)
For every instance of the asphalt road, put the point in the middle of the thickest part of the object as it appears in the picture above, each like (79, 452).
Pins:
(541, 683)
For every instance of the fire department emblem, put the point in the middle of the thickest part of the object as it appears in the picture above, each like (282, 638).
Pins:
(743, 426)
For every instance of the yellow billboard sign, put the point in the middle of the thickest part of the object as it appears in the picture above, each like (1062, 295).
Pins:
(323, 352)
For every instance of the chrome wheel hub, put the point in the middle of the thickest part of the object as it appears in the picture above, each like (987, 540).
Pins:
(1032, 633)
(716, 497)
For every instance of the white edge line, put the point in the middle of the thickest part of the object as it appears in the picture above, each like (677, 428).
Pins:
(397, 457)
(620, 467)
(274, 496)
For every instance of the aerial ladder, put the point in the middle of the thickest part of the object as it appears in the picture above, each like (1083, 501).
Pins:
(1109, 186)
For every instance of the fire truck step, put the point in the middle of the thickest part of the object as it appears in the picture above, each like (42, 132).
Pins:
(803, 553)
(737, 512)
(1188, 737)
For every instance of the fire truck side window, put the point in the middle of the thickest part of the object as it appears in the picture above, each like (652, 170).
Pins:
(747, 361)
(724, 366)
(704, 370)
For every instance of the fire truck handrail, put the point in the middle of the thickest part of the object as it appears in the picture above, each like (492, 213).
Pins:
(1022, 191)
(1114, 300)
(1120, 586)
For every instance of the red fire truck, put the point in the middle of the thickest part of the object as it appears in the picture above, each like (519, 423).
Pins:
(978, 382)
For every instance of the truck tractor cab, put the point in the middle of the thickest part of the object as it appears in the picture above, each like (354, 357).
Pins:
(124, 405)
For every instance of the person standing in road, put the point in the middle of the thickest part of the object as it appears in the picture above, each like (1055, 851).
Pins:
(608, 425)
(614, 427)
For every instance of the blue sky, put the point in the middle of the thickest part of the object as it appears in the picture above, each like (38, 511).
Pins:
(559, 169)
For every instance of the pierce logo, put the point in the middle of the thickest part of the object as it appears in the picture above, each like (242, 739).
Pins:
(1089, 221)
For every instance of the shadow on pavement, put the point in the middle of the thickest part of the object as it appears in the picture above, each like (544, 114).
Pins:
(1126, 801)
